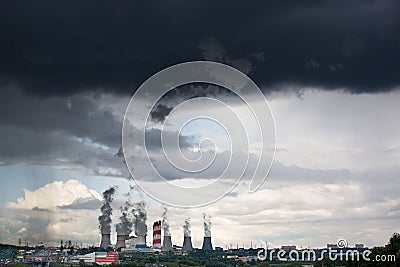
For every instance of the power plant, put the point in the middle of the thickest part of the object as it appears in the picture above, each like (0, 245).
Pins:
(134, 217)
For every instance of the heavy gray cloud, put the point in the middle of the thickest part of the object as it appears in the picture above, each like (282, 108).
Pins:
(182, 93)
(81, 131)
(79, 116)
(70, 46)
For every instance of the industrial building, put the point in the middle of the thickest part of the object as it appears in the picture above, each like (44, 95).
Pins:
(129, 243)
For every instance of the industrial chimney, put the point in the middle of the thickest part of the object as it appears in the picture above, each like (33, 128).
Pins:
(105, 240)
(157, 234)
(140, 217)
(207, 245)
(167, 244)
(187, 240)
(124, 227)
(121, 241)
(187, 244)
(105, 217)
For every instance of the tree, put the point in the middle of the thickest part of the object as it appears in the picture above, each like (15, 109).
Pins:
(263, 264)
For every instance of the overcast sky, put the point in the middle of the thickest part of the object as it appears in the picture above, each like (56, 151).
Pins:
(329, 70)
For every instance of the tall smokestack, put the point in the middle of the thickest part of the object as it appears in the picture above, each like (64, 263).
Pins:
(157, 234)
(140, 218)
(124, 227)
(187, 240)
(167, 242)
(207, 245)
(105, 217)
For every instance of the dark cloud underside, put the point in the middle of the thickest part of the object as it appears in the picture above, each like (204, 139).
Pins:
(62, 47)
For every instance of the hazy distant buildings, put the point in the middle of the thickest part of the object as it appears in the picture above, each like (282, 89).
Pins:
(288, 248)
(332, 246)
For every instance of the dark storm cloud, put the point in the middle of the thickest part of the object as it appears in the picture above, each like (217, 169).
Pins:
(78, 116)
(78, 131)
(61, 47)
(73, 131)
(160, 112)
(183, 93)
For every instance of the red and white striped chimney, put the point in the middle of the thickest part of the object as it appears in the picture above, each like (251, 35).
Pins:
(157, 234)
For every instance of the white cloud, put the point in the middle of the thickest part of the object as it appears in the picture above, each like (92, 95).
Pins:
(37, 216)
(54, 195)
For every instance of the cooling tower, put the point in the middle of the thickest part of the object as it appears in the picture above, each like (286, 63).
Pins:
(207, 245)
(121, 241)
(167, 244)
(105, 241)
(187, 244)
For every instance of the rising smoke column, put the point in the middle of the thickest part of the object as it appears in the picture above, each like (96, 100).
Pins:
(106, 211)
(207, 225)
(165, 223)
(140, 218)
(186, 227)
(124, 227)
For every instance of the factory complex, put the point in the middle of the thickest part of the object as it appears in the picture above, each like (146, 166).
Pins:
(133, 219)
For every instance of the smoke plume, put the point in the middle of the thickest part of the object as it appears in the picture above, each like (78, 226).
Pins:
(106, 211)
(207, 225)
(186, 227)
(165, 223)
(140, 218)
(124, 227)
